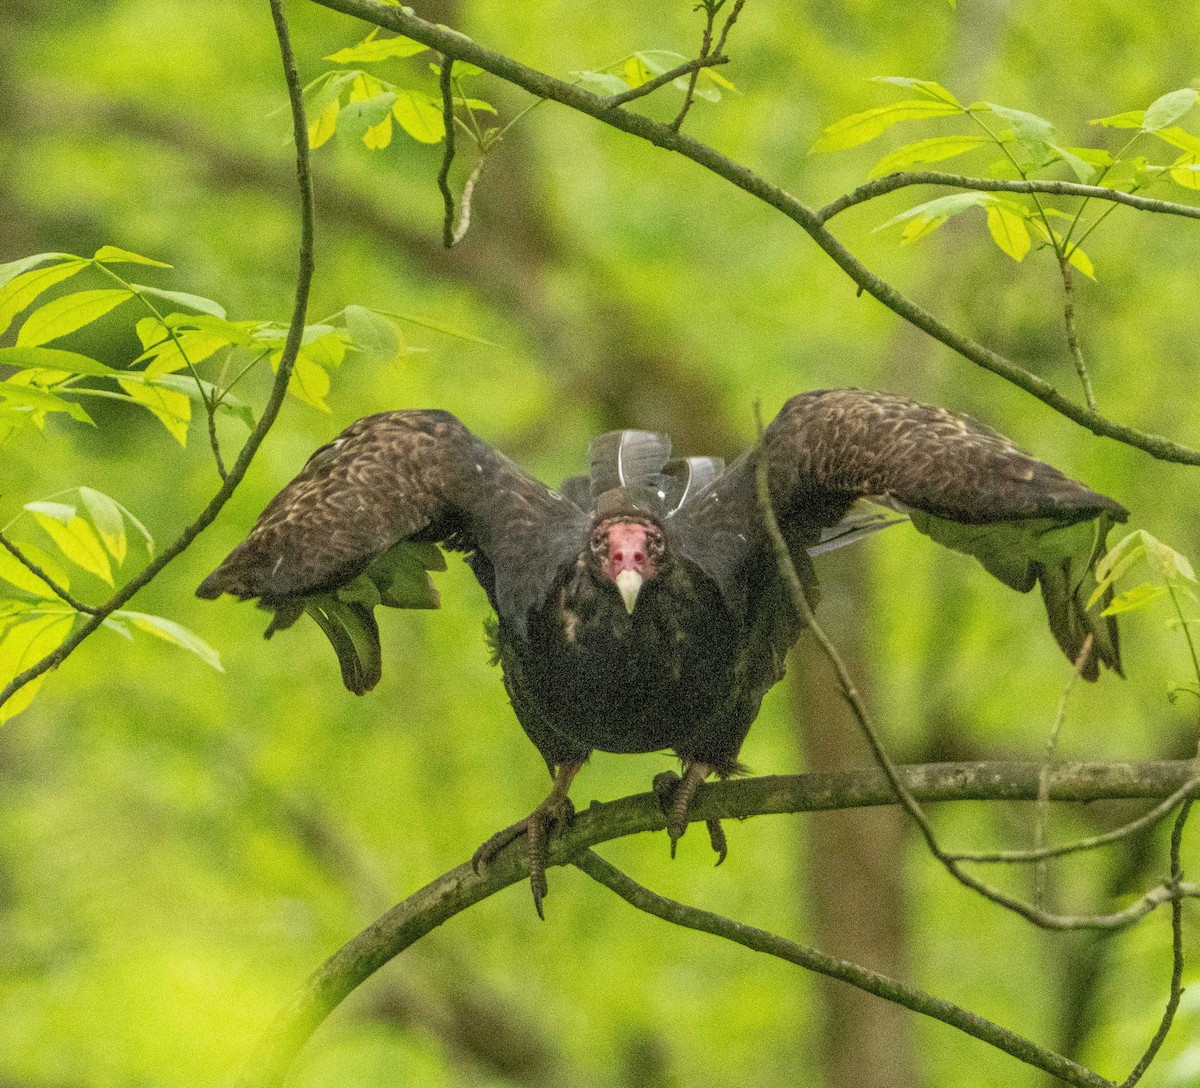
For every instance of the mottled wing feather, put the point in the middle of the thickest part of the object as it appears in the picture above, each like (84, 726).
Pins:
(391, 477)
(855, 443)
(983, 495)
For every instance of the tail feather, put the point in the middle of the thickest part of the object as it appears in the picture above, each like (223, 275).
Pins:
(352, 631)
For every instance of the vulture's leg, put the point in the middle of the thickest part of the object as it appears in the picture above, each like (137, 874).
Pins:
(675, 795)
(550, 817)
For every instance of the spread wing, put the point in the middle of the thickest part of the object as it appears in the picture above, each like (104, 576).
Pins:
(354, 529)
(963, 484)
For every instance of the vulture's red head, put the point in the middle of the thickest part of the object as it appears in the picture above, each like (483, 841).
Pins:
(628, 551)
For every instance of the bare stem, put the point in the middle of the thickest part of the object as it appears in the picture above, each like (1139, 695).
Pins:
(1064, 266)
(51, 584)
(443, 178)
(890, 989)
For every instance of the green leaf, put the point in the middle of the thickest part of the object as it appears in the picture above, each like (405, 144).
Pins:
(309, 383)
(1185, 171)
(858, 128)
(1080, 260)
(1168, 109)
(372, 334)
(1180, 138)
(175, 353)
(172, 409)
(445, 330)
(189, 387)
(420, 115)
(37, 401)
(13, 571)
(368, 117)
(1135, 598)
(326, 351)
(176, 634)
(932, 150)
(113, 255)
(70, 362)
(22, 289)
(462, 70)
(923, 86)
(1032, 132)
(67, 314)
(324, 126)
(25, 643)
(1007, 226)
(1129, 119)
(106, 517)
(1079, 167)
(926, 218)
(375, 49)
(13, 269)
(637, 71)
(182, 298)
(75, 538)
(605, 83)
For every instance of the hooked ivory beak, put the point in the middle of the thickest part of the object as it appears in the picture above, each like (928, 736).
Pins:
(629, 582)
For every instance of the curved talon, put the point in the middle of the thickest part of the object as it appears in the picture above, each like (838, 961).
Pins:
(716, 836)
(675, 795)
(546, 821)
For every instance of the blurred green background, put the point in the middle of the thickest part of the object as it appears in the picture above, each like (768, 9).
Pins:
(180, 847)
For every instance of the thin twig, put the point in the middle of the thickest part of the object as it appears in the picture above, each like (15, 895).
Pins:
(652, 85)
(900, 993)
(881, 186)
(462, 887)
(443, 178)
(51, 584)
(729, 21)
(452, 43)
(1176, 955)
(1089, 394)
(1041, 918)
(710, 14)
(1186, 791)
(270, 411)
(1042, 818)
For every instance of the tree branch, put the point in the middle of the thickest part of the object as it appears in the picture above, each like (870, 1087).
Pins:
(759, 940)
(652, 85)
(462, 887)
(51, 584)
(881, 186)
(270, 411)
(451, 43)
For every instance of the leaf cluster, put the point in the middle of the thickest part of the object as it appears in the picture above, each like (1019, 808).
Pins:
(1029, 149)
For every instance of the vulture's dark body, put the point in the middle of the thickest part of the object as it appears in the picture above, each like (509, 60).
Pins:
(590, 675)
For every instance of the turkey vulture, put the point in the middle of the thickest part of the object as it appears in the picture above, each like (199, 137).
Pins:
(641, 608)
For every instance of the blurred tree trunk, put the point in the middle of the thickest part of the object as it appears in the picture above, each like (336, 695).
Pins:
(855, 860)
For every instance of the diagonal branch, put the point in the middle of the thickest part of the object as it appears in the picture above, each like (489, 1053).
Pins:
(881, 186)
(661, 80)
(274, 402)
(890, 989)
(59, 591)
(462, 887)
(451, 43)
